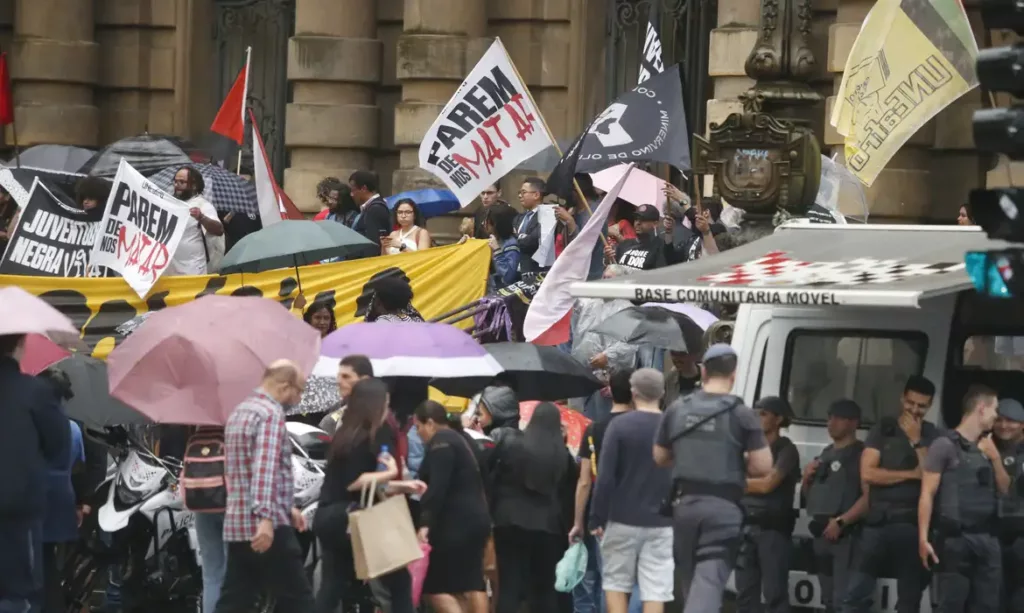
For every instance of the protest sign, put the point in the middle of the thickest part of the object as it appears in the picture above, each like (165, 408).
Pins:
(442, 279)
(52, 239)
(487, 129)
(140, 230)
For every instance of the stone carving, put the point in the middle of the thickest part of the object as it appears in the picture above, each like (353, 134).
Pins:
(782, 51)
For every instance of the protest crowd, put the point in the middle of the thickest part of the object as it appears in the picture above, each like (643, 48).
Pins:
(212, 403)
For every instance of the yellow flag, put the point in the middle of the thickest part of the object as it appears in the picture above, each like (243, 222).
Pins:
(442, 279)
(911, 59)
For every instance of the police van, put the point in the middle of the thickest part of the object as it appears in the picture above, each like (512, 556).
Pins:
(844, 311)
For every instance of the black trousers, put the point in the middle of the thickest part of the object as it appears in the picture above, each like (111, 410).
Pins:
(53, 590)
(338, 585)
(526, 569)
(888, 549)
(277, 571)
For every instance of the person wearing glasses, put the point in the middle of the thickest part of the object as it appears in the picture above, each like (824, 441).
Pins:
(527, 223)
(890, 466)
(410, 235)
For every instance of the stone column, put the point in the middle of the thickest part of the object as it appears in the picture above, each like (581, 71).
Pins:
(334, 65)
(440, 43)
(53, 64)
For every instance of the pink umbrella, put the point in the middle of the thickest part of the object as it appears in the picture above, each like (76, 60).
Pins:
(192, 364)
(40, 353)
(640, 188)
(23, 313)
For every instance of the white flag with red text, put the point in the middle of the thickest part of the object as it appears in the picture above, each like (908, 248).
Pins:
(547, 320)
(489, 127)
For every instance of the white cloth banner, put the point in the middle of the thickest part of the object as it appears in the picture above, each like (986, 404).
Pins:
(140, 231)
(487, 129)
(270, 205)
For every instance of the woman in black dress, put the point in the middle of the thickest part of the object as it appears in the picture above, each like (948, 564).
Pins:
(454, 515)
(360, 455)
(530, 472)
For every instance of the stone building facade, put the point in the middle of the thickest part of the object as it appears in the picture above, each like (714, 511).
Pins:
(345, 84)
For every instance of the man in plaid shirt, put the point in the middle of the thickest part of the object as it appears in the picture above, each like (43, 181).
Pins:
(263, 552)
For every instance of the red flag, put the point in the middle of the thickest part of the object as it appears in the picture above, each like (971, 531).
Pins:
(230, 119)
(6, 99)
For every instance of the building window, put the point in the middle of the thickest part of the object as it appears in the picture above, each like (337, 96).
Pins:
(994, 353)
(870, 367)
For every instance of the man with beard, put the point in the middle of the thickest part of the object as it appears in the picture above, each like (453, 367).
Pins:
(646, 251)
(194, 254)
(1008, 434)
(958, 482)
(890, 466)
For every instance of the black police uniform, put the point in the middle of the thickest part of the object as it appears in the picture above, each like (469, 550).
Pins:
(970, 560)
(888, 540)
(1010, 510)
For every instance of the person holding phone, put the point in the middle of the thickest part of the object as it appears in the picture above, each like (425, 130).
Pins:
(411, 234)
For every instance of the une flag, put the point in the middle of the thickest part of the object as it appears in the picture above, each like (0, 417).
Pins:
(230, 119)
(911, 59)
(651, 60)
(547, 320)
(646, 124)
(489, 127)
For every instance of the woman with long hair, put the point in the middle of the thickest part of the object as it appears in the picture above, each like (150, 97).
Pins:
(360, 457)
(531, 473)
(320, 315)
(410, 232)
(454, 516)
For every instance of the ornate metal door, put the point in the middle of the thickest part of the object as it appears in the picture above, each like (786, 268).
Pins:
(685, 30)
(266, 26)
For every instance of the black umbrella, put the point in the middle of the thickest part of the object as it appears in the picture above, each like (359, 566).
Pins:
(535, 372)
(18, 183)
(92, 403)
(64, 158)
(147, 153)
(653, 326)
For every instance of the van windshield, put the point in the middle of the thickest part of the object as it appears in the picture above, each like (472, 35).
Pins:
(870, 368)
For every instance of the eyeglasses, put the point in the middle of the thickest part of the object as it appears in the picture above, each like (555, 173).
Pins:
(405, 213)
(523, 192)
(181, 181)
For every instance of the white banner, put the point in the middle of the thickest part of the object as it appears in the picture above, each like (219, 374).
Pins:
(140, 230)
(487, 129)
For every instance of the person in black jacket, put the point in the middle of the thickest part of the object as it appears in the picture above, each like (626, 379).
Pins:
(33, 434)
(374, 218)
(455, 519)
(532, 475)
(527, 224)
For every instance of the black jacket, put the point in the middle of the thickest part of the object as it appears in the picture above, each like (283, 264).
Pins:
(33, 433)
(373, 222)
(528, 238)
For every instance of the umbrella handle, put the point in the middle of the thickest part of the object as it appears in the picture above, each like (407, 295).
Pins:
(298, 278)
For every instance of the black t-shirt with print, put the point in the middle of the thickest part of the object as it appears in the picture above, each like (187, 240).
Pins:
(590, 448)
(643, 253)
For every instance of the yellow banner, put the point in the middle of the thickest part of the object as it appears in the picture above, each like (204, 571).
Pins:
(911, 59)
(442, 279)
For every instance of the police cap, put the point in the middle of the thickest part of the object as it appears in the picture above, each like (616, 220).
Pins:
(774, 404)
(1011, 409)
(719, 350)
(844, 408)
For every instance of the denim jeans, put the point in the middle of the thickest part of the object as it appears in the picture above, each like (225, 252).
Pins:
(213, 554)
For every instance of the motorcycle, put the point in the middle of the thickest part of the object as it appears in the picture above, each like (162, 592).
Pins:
(144, 527)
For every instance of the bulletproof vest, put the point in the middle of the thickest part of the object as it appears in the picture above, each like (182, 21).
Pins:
(707, 459)
(1010, 506)
(835, 486)
(896, 453)
(781, 498)
(967, 494)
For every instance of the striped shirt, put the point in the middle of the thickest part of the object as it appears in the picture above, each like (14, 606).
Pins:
(259, 467)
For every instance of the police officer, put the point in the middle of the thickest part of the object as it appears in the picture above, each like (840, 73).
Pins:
(763, 563)
(890, 466)
(1008, 434)
(703, 437)
(836, 500)
(962, 540)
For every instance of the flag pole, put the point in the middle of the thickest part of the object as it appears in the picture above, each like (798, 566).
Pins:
(245, 105)
(14, 137)
(554, 141)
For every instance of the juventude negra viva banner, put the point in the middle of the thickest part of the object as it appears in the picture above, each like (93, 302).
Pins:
(52, 239)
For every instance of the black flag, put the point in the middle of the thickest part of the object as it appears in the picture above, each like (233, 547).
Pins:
(651, 60)
(646, 124)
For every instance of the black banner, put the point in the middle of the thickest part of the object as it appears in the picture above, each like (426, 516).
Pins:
(646, 124)
(52, 239)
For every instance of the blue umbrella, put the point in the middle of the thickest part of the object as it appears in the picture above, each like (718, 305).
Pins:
(431, 202)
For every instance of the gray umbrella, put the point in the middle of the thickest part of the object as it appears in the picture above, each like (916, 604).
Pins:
(320, 396)
(291, 243)
(65, 158)
(92, 403)
(652, 326)
(546, 160)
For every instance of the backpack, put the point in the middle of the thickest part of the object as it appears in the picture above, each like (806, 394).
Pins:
(203, 482)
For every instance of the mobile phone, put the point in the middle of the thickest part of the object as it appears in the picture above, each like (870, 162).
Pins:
(382, 233)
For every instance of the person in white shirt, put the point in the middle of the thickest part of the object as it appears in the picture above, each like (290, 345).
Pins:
(193, 253)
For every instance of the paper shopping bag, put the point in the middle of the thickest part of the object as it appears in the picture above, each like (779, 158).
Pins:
(383, 537)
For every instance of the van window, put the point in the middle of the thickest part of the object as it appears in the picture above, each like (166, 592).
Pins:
(994, 352)
(871, 368)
